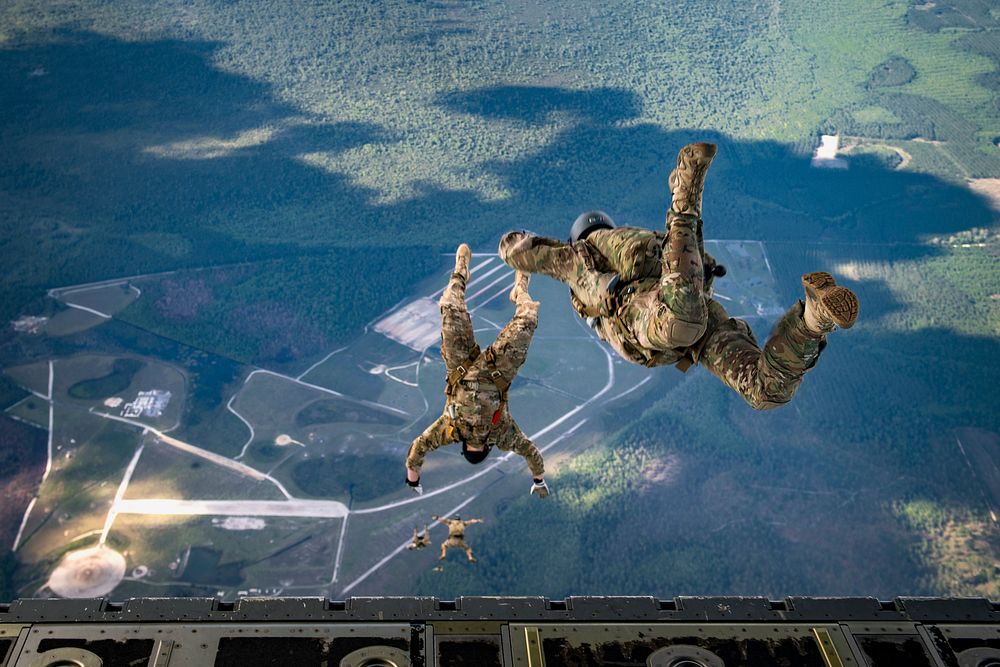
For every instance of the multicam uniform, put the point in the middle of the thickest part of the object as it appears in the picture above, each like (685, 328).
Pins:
(456, 536)
(476, 409)
(420, 540)
(662, 312)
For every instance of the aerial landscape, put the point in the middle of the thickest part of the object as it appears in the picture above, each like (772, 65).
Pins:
(225, 228)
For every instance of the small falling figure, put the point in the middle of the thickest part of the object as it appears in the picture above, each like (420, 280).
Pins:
(420, 540)
(456, 535)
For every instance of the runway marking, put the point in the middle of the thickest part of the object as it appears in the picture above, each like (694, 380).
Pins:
(329, 509)
(126, 478)
(229, 406)
(89, 310)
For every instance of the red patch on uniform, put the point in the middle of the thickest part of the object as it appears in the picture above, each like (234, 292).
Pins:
(496, 417)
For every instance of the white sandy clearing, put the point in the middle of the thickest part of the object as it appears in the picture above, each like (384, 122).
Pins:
(88, 573)
(240, 523)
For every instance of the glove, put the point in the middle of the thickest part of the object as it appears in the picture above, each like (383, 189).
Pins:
(540, 488)
(415, 486)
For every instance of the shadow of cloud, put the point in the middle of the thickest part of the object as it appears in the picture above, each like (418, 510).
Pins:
(535, 105)
(89, 82)
(112, 136)
(110, 140)
(760, 190)
(90, 112)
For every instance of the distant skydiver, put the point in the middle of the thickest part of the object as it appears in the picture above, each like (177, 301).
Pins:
(420, 540)
(456, 535)
(475, 412)
(649, 295)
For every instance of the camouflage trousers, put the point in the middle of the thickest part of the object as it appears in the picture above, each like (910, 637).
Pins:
(665, 313)
(420, 540)
(673, 312)
(458, 339)
(765, 378)
(454, 542)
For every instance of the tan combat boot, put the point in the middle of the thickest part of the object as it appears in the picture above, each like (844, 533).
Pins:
(828, 305)
(687, 181)
(462, 258)
(520, 290)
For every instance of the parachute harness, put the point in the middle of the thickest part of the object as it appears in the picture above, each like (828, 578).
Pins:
(461, 372)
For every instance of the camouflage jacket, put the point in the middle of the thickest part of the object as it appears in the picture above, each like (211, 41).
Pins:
(504, 435)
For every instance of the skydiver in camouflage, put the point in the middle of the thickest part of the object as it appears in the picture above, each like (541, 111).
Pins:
(649, 295)
(475, 411)
(420, 540)
(456, 536)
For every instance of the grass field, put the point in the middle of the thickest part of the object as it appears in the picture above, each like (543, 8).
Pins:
(164, 472)
(74, 377)
(89, 307)
(88, 459)
(69, 321)
(108, 299)
(34, 377)
(32, 410)
(266, 559)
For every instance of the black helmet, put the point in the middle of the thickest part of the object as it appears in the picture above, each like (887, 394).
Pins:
(588, 222)
(473, 456)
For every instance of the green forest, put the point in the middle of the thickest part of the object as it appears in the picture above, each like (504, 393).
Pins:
(278, 311)
(223, 134)
(292, 170)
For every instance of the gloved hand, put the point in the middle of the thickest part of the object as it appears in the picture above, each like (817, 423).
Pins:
(539, 488)
(415, 486)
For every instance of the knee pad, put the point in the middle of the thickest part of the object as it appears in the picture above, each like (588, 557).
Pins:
(685, 334)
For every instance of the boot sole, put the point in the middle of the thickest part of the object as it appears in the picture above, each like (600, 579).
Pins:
(693, 159)
(840, 303)
(703, 150)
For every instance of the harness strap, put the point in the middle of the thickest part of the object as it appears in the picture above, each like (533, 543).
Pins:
(496, 376)
(455, 376)
(608, 305)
